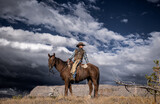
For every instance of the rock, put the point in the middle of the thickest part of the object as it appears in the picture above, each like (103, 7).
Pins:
(83, 90)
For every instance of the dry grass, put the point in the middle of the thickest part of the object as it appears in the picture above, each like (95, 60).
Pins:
(80, 100)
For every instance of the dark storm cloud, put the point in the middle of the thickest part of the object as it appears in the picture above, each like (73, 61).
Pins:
(10, 8)
(19, 71)
(24, 59)
(24, 77)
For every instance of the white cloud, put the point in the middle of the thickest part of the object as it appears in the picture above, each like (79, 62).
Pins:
(105, 59)
(104, 35)
(4, 42)
(29, 37)
(124, 20)
(79, 21)
(94, 7)
(82, 13)
(60, 49)
(32, 47)
(25, 46)
(136, 59)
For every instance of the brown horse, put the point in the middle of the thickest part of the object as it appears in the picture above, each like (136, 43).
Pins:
(91, 73)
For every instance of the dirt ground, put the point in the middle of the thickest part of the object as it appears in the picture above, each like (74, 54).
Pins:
(80, 100)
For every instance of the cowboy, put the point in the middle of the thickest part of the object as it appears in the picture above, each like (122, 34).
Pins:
(78, 56)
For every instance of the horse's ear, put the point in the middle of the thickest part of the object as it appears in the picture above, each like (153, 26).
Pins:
(53, 54)
(49, 55)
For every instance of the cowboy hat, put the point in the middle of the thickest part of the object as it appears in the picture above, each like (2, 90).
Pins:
(80, 44)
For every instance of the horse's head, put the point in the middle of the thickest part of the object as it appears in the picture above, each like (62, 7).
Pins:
(51, 61)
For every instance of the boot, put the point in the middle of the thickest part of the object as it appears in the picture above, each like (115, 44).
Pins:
(71, 78)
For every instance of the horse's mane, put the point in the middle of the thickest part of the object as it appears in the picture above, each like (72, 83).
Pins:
(58, 60)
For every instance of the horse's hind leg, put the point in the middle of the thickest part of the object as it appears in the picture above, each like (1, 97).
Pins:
(90, 86)
(95, 88)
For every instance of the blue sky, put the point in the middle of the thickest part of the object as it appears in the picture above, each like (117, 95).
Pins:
(122, 38)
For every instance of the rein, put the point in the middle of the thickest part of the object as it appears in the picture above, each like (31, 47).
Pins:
(52, 71)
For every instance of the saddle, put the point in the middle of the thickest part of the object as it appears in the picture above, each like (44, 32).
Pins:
(79, 70)
(70, 64)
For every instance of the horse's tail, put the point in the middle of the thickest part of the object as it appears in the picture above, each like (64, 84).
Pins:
(98, 77)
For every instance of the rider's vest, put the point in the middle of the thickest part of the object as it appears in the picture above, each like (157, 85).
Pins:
(79, 54)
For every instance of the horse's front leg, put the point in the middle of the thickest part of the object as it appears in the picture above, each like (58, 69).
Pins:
(66, 87)
(70, 88)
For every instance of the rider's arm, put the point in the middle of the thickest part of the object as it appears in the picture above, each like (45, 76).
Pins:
(85, 57)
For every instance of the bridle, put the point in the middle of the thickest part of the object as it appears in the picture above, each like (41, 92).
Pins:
(51, 70)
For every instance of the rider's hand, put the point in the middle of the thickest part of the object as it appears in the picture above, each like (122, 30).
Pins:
(85, 65)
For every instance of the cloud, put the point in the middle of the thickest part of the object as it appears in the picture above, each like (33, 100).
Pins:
(124, 20)
(92, 1)
(158, 5)
(82, 13)
(36, 29)
(21, 36)
(133, 61)
(104, 35)
(153, 1)
(25, 46)
(24, 53)
(94, 7)
(75, 22)
(144, 13)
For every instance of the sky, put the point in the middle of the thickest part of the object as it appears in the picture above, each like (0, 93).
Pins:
(122, 38)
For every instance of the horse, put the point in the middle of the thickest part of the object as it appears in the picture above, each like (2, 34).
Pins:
(91, 73)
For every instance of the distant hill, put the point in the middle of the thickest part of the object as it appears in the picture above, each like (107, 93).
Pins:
(10, 92)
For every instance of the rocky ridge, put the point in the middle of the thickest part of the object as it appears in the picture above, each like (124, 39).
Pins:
(83, 90)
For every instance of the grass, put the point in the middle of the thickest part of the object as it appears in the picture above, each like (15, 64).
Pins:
(80, 100)
(17, 97)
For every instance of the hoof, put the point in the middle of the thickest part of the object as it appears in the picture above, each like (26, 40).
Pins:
(89, 96)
